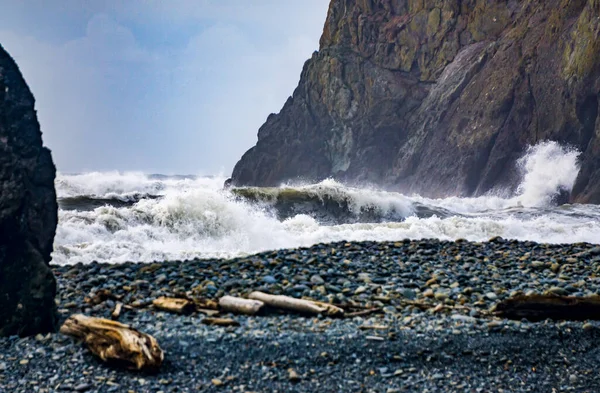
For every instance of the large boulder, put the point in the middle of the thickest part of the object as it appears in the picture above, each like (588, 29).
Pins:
(438, 97)
(28, 211)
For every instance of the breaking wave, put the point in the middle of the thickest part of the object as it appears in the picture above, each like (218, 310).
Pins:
(118, 217)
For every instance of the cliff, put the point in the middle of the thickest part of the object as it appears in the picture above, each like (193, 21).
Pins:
(438, 97)
(28, 211)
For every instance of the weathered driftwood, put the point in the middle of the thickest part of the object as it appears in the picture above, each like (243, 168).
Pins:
(437, 307)
(330, 309)
(175, 305)
(115, 343)
(220, 322)
(239, 305)
(208, 313)
(101, 296)
(206, 304)
(373, 327)
(116, 313)
(540, 307)
(297, 305)
(363, 313)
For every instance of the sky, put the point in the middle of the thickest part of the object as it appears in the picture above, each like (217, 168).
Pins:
(172, 87)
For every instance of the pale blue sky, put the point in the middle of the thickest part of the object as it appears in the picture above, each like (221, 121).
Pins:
(177, 86)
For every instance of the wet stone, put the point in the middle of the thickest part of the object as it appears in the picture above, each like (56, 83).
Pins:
(415, 331)
(316, 279)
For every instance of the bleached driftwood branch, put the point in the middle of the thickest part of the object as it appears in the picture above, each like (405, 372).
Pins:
(116, 343)
(239, 305)
(298, 305)
(175, 305)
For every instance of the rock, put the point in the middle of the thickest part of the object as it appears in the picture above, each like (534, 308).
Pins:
(557, 291)
(360, 290)
(494, 325)
(316, 279)
(293, 375)
(28, 212)
(269, 280)
(538, 265)
(407, 293)
(491, 296)
(83, 387)
(463, 318)
(441, 296)
(439, 98)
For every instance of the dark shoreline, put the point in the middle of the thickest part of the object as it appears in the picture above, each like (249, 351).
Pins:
(459, 350)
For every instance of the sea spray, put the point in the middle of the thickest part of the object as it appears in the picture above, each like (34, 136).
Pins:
(104, 185)
(548, 169)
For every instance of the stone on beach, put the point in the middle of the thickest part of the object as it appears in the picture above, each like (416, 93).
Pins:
(28, 211)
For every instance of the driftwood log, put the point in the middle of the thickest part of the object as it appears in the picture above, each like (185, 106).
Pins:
(115, 343)
(205, 304)
(297, 305)
(220, 322)
(540, 307)
(116, 313)
(239, 305)
(175, 305)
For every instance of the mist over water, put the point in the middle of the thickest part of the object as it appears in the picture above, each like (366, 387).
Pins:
(119, 217)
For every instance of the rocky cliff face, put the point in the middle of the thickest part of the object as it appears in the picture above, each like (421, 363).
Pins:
(438, 97)
(28, 211)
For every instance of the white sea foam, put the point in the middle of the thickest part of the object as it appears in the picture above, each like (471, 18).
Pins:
(195, 217)
(106, 184)
(548, 169)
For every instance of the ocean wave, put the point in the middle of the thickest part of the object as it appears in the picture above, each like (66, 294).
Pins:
(330, 202)
(90, 202)
(133, 217)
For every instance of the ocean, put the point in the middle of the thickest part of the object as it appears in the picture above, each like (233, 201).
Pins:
(119, 217)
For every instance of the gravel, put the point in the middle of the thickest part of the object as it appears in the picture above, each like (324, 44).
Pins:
(459, 347)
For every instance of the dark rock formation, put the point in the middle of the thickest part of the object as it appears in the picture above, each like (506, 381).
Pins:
(28, 211)
(438, 97)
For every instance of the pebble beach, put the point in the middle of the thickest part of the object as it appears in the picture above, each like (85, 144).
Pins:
(433, 329)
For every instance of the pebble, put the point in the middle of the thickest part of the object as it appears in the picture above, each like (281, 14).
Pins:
(558, 291)
(538, 265)
(463, 318)
(360, 290)
(495, 324)
(316, 279)
(441, 296)
(491, 296)
(408, 293)
(293, 375)
(460, 281)
(269, 279)
(82, 387)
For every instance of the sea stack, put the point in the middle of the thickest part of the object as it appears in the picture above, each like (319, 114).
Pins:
(438, 98)
(28, 211)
